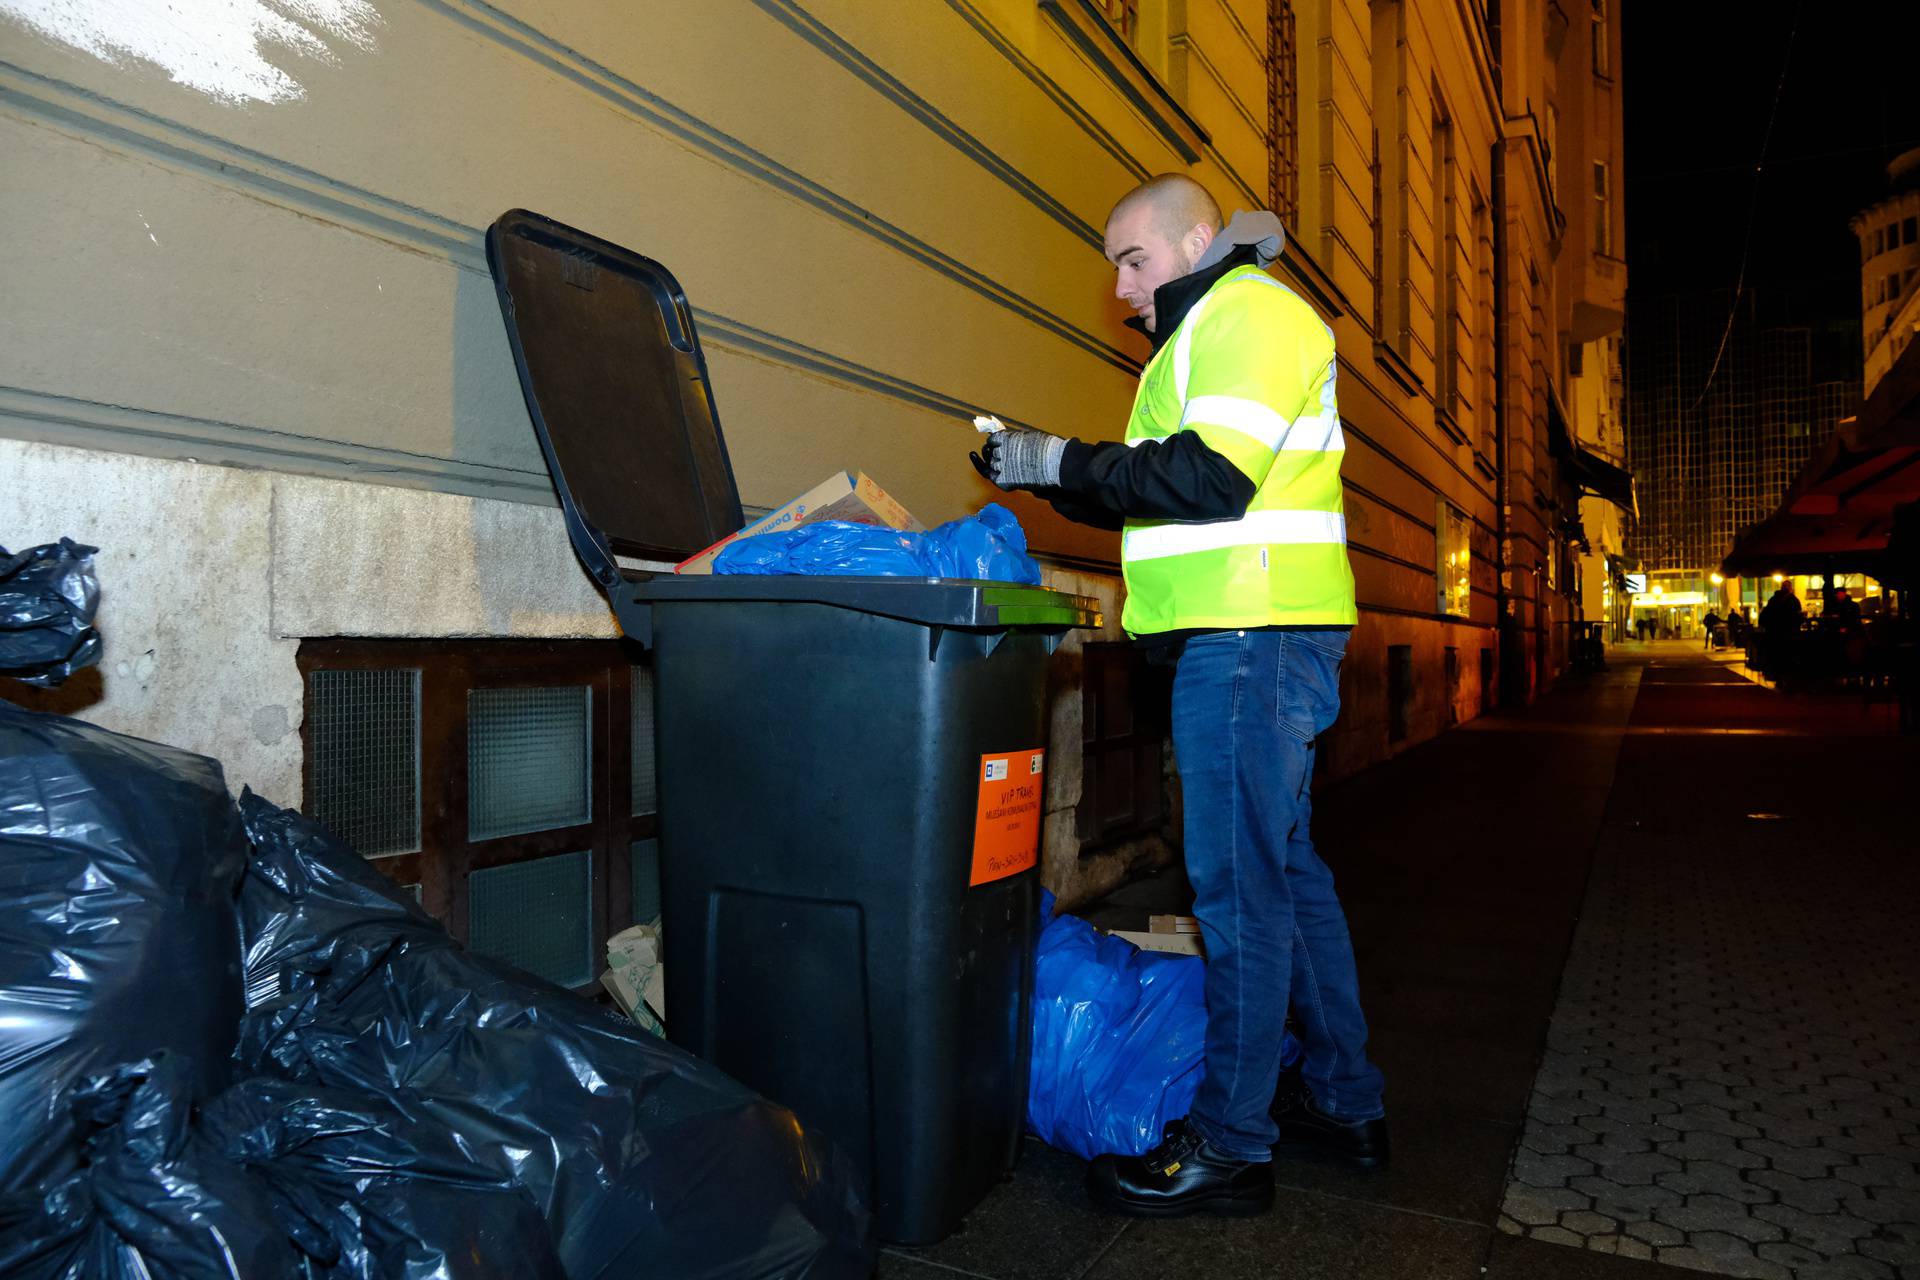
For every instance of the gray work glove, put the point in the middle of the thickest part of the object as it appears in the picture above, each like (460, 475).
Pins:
(1021, 459)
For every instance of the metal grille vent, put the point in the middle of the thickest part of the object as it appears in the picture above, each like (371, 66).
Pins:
(364, 732)
(645, 792)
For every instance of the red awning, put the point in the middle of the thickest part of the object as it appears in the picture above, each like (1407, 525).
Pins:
(1838, 513)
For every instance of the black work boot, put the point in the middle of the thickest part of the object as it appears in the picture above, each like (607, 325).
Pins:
(1306, 1130)
(1183, 1175)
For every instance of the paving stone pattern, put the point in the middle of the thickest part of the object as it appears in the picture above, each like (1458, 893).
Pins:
(1729, 1079)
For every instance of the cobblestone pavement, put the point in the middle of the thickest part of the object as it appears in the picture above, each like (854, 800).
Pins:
(1729, 1078)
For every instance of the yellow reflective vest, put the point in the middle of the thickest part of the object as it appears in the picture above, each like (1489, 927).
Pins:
(1251, 369)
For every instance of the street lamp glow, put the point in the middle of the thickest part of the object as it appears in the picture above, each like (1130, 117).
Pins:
(1717, 579)
(1779, 578)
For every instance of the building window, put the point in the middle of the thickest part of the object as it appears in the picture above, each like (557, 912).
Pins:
(1452, 668)
(1124, 17)
(1552, 144)
(511, 781)
(1483, 318)
(1879, 241)
(1602, 209)
(1402, 223)
(1910, 229)
(1453, 559)
(1399, 692)
(1447, 285)
(1125, 717)
(1283, 112)
(1602, 64)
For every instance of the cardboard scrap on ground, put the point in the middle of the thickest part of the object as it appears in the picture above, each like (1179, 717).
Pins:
(846, 495)
(636, 975)
(1180, 944)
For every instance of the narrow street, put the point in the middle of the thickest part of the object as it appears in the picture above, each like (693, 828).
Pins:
(1640, 969)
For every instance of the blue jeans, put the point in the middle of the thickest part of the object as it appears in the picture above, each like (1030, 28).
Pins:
(1247, 706)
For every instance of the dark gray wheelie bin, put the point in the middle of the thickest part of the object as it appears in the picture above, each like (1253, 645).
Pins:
(850, 769)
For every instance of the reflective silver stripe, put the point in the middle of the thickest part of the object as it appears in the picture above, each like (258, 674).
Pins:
(1258, 528)
(1236, 413)
(1322, 430)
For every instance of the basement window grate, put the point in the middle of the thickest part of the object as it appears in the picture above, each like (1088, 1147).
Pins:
(363, 730)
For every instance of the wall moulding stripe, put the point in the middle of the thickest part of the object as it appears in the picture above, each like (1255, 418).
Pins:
(130, 129)
(651, 109)
(842, 51)
(1258, 48)
(1424, 570)
(1198, 53)
(97, 119)
(48, 418)
(1051, 87)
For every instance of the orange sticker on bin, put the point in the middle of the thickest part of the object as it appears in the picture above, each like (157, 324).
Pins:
(1006, 825)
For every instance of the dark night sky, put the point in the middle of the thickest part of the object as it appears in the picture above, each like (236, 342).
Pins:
(1699, 78)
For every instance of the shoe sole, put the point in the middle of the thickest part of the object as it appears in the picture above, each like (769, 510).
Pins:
(1321, 1153)
(1226, 1206)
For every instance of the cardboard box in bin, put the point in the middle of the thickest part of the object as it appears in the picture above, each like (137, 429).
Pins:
(847, 495)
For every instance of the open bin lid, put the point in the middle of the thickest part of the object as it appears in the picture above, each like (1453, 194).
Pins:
(617, 388)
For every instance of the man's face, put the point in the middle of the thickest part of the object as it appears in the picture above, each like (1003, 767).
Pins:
(1143, 259)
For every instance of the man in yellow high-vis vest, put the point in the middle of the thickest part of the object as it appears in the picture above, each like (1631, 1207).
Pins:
(1234, 550)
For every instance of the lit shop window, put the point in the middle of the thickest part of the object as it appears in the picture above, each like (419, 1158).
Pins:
(1454, 556)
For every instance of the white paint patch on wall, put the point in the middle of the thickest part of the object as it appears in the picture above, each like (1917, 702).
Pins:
(218, 47)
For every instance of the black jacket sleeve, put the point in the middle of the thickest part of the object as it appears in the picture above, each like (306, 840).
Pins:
(1176, 478)
(1080, 511)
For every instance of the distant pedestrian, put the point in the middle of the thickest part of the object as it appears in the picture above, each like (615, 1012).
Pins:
(1712, 624)
(1844, 610)
(1779, 624)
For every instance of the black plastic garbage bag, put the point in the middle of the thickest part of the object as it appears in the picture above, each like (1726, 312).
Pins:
(371, 1193)
(152, 1200)
(642, 1159)
(119, 861)
(48, 596)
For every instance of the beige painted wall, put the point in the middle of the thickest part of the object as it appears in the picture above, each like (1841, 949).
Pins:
(886, 216)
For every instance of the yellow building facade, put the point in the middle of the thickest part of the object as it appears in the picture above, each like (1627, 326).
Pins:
(252, 350)
(1889, 235)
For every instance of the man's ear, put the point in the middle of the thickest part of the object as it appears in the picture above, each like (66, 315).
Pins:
(1199, 238)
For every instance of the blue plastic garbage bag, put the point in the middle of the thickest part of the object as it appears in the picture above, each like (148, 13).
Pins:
(990, 545)
(1118, 1039)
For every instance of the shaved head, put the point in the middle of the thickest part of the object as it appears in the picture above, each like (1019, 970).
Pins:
(1178, 205)
(1158, 233)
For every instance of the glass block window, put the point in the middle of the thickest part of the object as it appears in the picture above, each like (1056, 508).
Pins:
(537, 916)
(364, 738)
(529, 761)
(510, 761)
(646, 880)
(645, 794)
